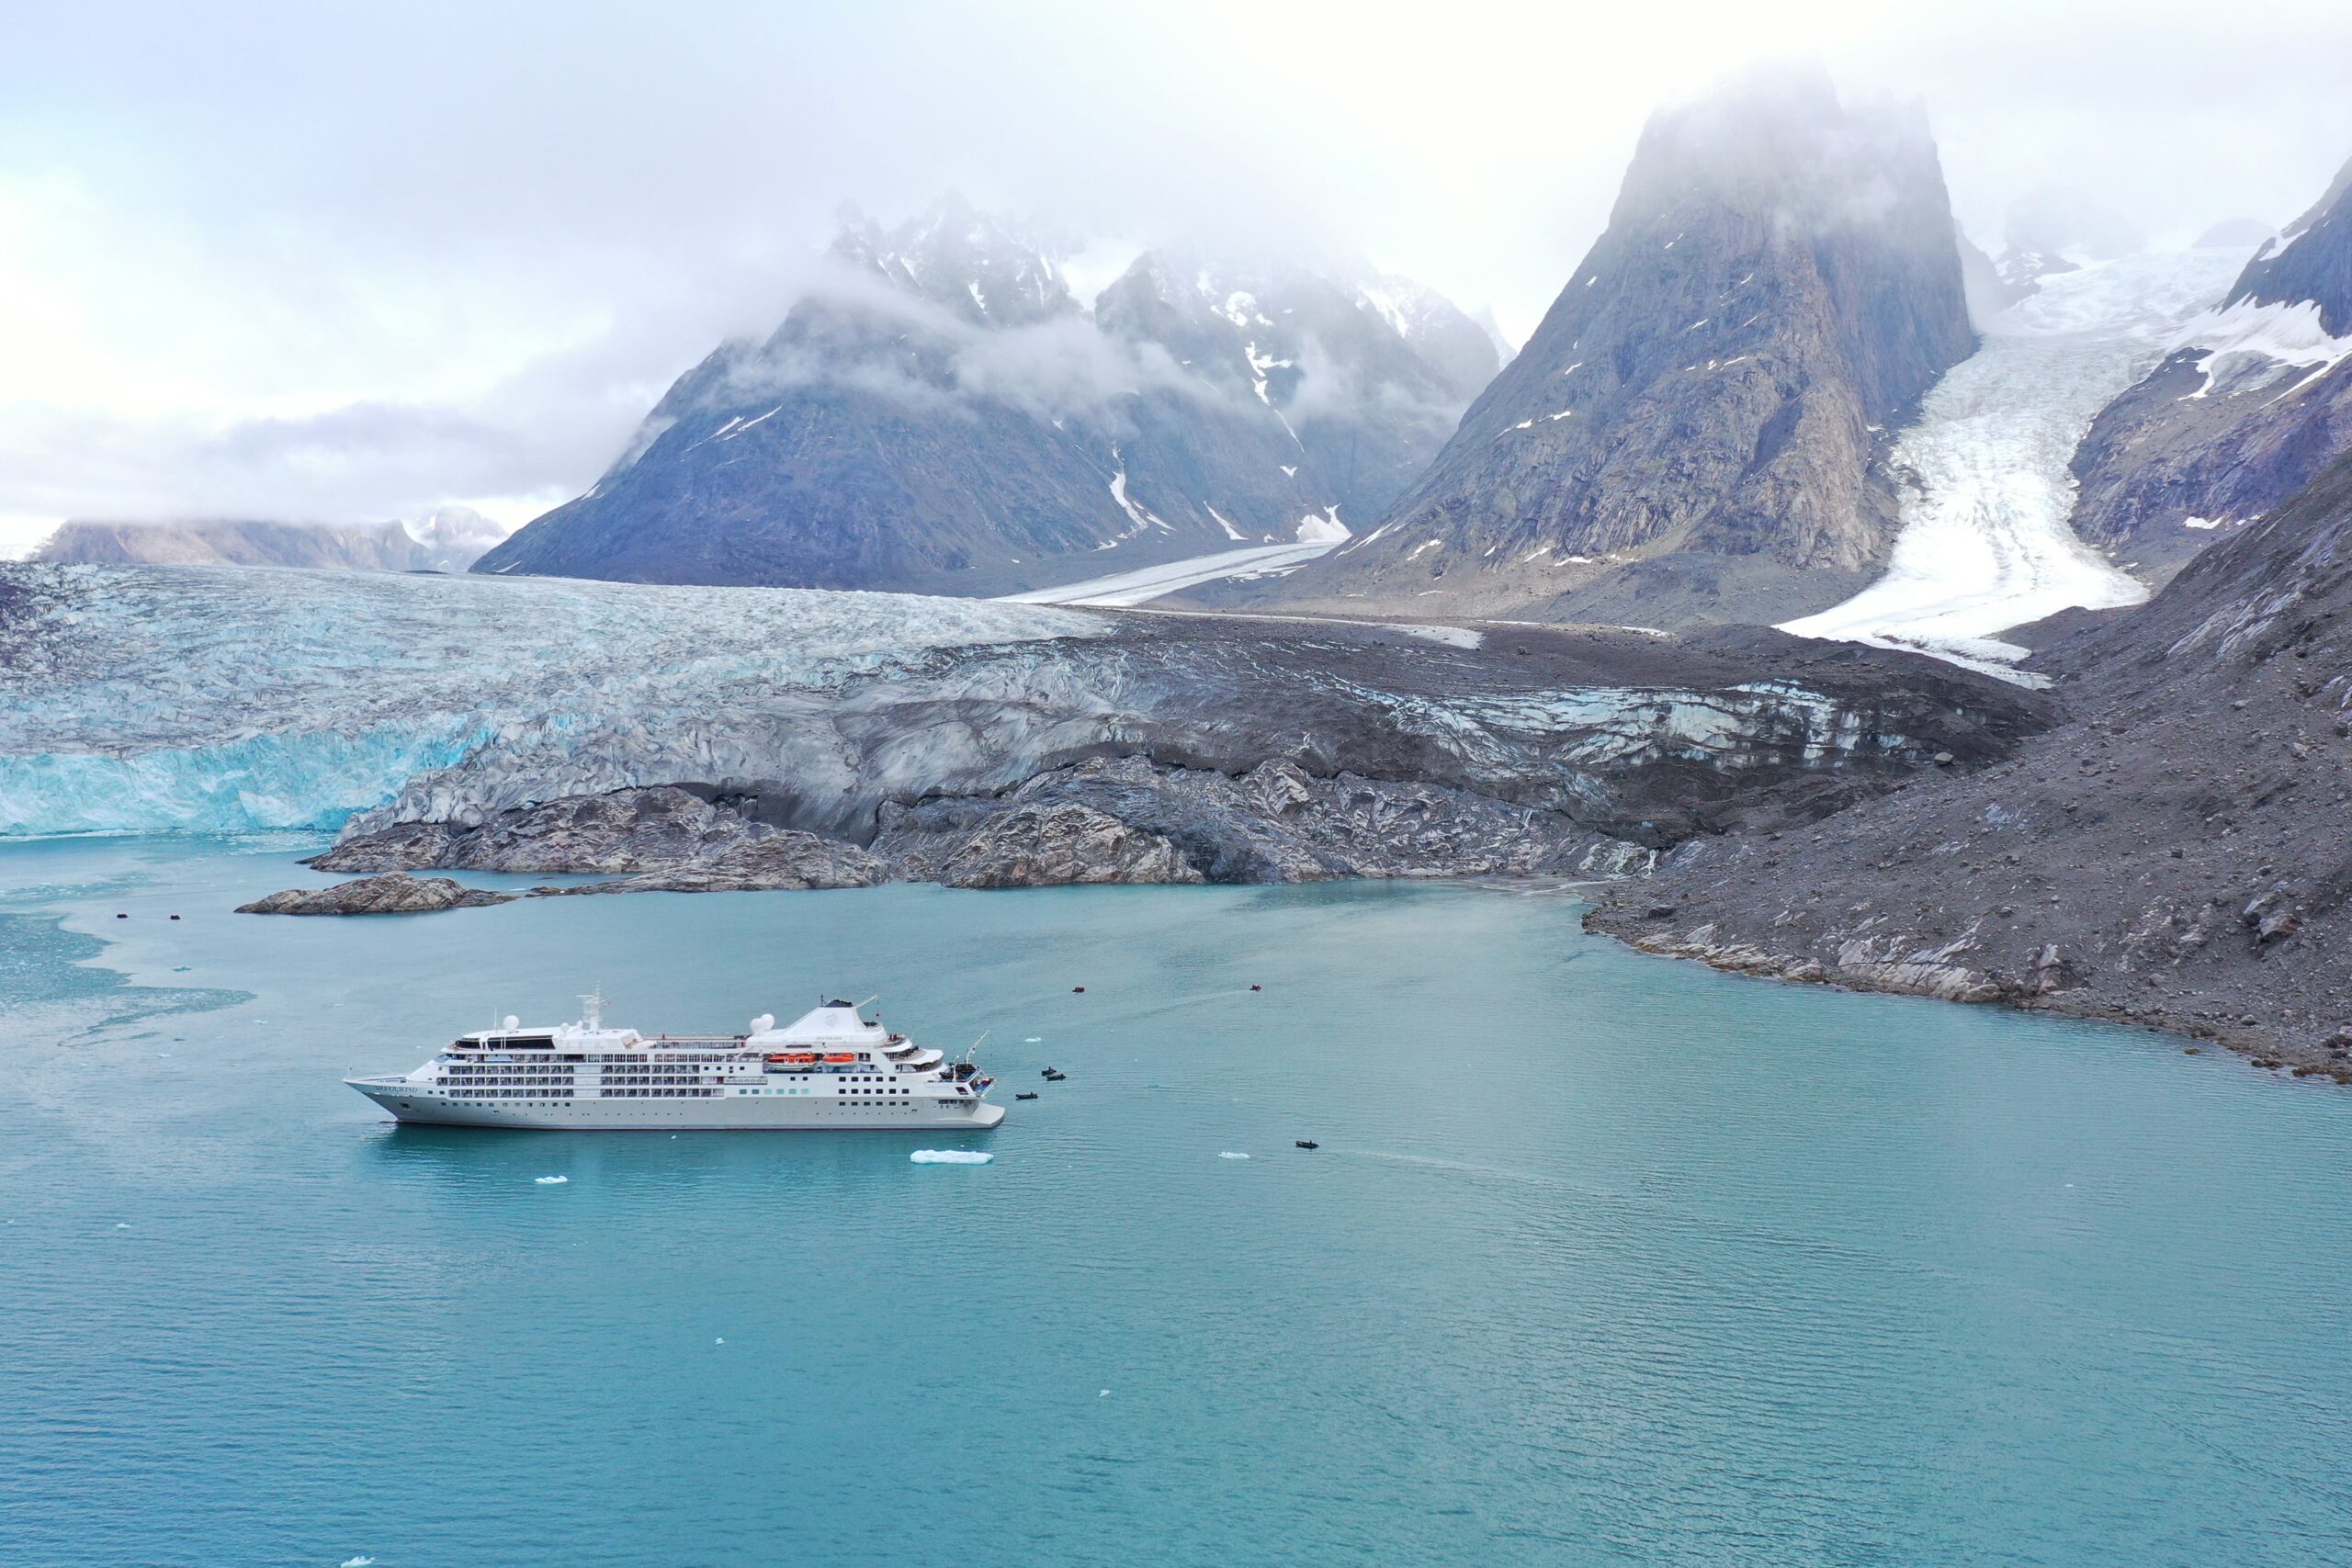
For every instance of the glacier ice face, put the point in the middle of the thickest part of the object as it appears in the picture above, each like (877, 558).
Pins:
(226, 699)
(145, 699)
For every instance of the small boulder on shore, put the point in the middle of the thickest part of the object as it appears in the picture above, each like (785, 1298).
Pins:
(395, 893)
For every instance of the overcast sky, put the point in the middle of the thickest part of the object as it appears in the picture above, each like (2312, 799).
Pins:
(346, 262)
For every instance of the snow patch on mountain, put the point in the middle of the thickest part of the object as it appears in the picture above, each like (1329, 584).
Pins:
(1324, 530)
(2265, 340)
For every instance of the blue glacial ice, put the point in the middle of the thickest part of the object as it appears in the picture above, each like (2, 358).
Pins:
(229, 699)
(192, 699)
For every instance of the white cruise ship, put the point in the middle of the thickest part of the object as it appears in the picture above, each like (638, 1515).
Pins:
(831, 1067)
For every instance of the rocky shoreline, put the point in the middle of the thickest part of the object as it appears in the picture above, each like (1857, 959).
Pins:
(2171, 855)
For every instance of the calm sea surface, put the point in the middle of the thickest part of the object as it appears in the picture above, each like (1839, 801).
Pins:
(1603, 1259)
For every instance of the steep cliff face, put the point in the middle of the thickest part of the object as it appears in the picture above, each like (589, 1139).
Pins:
(1689, 434)
(2254, 399)
(944, 415)
(2172, 853)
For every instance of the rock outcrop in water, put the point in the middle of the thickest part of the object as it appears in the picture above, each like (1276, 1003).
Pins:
(626, 830)
(2172, 854)
(1689, 434)
(762, 860)
(2253, 401)
(1276, 823)
(1049, 846)
(394, 892)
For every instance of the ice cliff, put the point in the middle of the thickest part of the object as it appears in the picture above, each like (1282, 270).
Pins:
(157, 700)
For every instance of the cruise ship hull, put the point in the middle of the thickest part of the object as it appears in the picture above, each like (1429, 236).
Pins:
(726, 1113)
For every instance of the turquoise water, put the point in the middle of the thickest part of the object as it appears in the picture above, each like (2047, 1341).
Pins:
(1603, 1259)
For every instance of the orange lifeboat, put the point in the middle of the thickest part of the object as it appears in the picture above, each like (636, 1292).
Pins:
(840, 1057)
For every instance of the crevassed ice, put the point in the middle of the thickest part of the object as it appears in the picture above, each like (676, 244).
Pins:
(1985, 543)
(232, 698)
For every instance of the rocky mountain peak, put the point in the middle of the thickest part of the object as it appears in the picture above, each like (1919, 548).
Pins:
(2311, 262)
(982, 267)
(2252, 402)
(1689, 431)
(941, 413)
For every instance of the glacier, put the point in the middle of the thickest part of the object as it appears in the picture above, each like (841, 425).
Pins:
(1147, 583)
(227, 699)
(202, 699)
(1985, 542)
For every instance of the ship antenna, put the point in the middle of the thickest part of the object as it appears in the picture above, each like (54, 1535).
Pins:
(593, 1005)
(976, 1044)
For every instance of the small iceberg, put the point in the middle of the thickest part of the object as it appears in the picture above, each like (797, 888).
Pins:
(1032, 1040)
(1231, 1154)
(950, 1156)
(358, 1562)
(550, 1180)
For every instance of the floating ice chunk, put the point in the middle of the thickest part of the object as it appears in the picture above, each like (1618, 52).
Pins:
(358, 1562)
(1231, 1154)
(950, 1156)
(1103, 1394)
(1032, 1040)
(550, 1180)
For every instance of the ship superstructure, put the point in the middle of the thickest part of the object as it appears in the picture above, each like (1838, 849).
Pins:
(830, 1068)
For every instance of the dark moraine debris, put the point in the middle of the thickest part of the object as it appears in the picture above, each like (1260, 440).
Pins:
(1262, 749)
(2172, 854)
(394, 892)
(778, 860)
(1052, 846)
(623, 830)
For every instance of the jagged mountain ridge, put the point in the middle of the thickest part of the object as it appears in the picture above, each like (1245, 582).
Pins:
(2254, 401)
(943, 414)
(448, 539)
(1308, 346)
(1688, 433)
